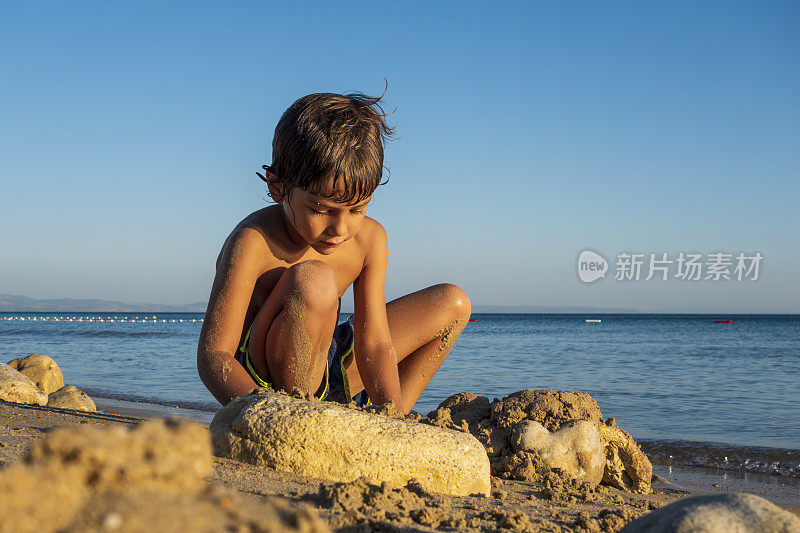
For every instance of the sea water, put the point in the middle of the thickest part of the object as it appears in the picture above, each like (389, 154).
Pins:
(694, 387)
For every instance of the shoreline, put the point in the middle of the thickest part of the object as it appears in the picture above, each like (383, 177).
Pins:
(515, 505)
(727, 460)
(694, 477)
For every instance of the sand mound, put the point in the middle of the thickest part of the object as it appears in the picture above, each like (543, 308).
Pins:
(150, 478)
(494, 425)
(211, 509)
(365, 503)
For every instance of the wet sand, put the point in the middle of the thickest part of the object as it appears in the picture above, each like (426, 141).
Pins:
(514, 505)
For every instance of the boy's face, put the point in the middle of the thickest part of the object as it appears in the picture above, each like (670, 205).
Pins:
(321, 222)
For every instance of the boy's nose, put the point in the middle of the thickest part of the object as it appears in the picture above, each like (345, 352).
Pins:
(339, 226)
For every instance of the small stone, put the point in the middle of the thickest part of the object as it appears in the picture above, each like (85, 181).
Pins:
(70, 397)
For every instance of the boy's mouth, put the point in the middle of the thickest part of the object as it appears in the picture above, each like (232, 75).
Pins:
(331, 244)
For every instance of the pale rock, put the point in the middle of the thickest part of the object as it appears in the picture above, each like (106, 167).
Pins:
(330, 441)
(575, 448)
(16, 387)
(70, 397)
(728, 513)
(627, 467)
(42, 370)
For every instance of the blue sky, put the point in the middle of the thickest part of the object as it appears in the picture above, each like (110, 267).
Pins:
(131, 133)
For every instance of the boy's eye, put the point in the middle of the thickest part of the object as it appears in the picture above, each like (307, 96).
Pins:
(357, 211)
(317, 211)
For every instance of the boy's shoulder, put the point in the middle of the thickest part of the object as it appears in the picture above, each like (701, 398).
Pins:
(371, 233)
(251, 235)
(373, 244)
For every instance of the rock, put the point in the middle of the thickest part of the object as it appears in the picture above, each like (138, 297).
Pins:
(16, 387)
(330, 441)
(42, 370)
(70, 397)
(149, 478)
(627, 467)
(576, 449)
(731, 513)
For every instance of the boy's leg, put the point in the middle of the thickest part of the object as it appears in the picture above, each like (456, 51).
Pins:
(423, 326)
(292, 331)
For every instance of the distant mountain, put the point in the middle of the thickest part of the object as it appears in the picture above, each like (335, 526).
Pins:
(10, 303)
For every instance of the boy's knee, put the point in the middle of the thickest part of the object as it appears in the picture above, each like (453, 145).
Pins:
(456, 299)
(314, 284)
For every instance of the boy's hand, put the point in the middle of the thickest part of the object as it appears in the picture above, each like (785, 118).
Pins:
(375, 357)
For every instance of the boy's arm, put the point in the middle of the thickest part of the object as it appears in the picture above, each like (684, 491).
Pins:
(375, 357)
(237, 272)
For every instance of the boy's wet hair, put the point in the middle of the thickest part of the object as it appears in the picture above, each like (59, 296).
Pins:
(329, 135)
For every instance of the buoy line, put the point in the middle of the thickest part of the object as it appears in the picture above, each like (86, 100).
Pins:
(135, 319)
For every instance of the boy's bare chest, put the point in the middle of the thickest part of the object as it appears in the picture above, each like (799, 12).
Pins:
(346, 268)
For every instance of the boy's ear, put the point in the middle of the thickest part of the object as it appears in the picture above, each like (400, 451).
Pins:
(275, 186)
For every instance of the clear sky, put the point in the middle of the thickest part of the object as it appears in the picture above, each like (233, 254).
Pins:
(130, 133)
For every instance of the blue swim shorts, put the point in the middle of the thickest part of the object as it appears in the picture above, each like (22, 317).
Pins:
(335, 386)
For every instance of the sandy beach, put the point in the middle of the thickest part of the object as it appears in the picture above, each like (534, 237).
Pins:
(513, 505)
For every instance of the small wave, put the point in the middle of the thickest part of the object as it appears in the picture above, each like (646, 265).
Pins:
(776, 461)
(197, 406)
(103, 334)
(119, 334)
(14, 332)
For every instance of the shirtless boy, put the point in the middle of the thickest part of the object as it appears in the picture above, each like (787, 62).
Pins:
(274, 305)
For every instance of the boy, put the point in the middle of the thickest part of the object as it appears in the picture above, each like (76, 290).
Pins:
(274, 305)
